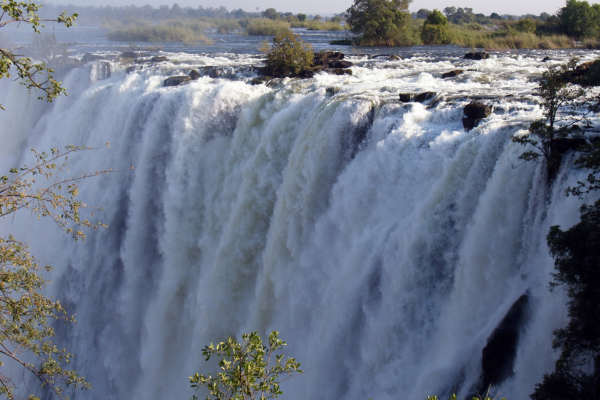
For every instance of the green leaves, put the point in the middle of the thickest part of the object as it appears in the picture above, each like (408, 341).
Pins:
(247, 370)
(31, 75)
(289, 55)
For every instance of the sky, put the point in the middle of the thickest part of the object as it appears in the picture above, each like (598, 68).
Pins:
(515, 7)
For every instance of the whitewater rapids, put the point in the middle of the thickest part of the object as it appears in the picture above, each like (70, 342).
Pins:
(383, 241)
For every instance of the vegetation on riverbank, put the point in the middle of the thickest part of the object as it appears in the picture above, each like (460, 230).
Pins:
(169, 31)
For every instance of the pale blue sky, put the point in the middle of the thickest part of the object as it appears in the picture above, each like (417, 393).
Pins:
(517, 7)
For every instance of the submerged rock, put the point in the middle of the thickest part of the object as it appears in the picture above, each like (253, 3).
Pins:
(452, 74)
(195, 75)
(393, 57)
(406, 97)
(159, 59)
(177, 80)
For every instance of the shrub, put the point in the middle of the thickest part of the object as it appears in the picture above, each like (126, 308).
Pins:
(435, 28)
(289, 55)
(526, 25)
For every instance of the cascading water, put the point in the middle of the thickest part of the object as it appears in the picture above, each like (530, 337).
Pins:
(384, 242)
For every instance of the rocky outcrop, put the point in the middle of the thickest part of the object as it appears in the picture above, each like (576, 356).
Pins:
(586, 74)
(475, 112)
(195, 75)
(479, 55)
(498, 356)
(177, 80)
(330, 62)
(417, 98)
(216, 72)
(562, 145)
(393, 57)
(452, 74)
(159, 59)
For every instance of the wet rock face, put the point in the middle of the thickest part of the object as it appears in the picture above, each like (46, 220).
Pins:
(195, 75)
(417, 98)
(159, 59)
(500, 352)
(477, 110)
(177, 80)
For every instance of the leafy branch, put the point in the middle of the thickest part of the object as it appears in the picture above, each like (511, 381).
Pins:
(247, 373)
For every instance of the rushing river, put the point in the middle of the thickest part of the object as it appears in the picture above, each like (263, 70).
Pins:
(384, 242)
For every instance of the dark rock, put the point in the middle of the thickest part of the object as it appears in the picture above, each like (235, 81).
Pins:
(260, 80)
(562, 145)
(546, 59)
(159, 59)
(329, 56)
(332, 90)
(452, 74)
(306, 73)
(470, 123)
(393, 58)
(340, 64)
(216, 72)
(177, 80)
(422, 97)
(406, 97)
(133, 68)
(477, 110)
(498, 356)
(339, 71)
(195, 75)
(87, 57)
(480, 55)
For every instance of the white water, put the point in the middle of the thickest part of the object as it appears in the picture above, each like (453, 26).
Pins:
(384, 264)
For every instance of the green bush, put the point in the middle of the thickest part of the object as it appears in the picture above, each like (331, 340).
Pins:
(435, 28)
(526, 25)
(289, 55)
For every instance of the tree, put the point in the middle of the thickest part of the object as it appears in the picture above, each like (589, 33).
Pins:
(576, 254)
(578, 19)
(556, 94)
(301, 17)
(27, 71)
(247, 369)
(271, 13)
(25, 312)
(423, 13)
(449, 11)
(289, 55)
(435, 28)
(381, 22)
(526, 25)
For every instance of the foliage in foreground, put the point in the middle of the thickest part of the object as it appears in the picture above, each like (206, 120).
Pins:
(247, 369)
(288, 55)
(25, 312)
(31, 75)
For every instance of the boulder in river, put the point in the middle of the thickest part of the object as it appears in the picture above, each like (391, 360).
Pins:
(477, 110)
(452, 74)
(177, 80)
(393, 57)
(159, 59)
(479, 55)
(406, 97)
(422, 97)
(195, 75)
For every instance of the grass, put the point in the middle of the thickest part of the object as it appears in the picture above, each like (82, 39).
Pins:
(506, 39)
(170, 31)
(266, 27)
(313, 25)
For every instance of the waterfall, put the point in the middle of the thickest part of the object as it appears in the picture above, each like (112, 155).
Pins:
(384, 242)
